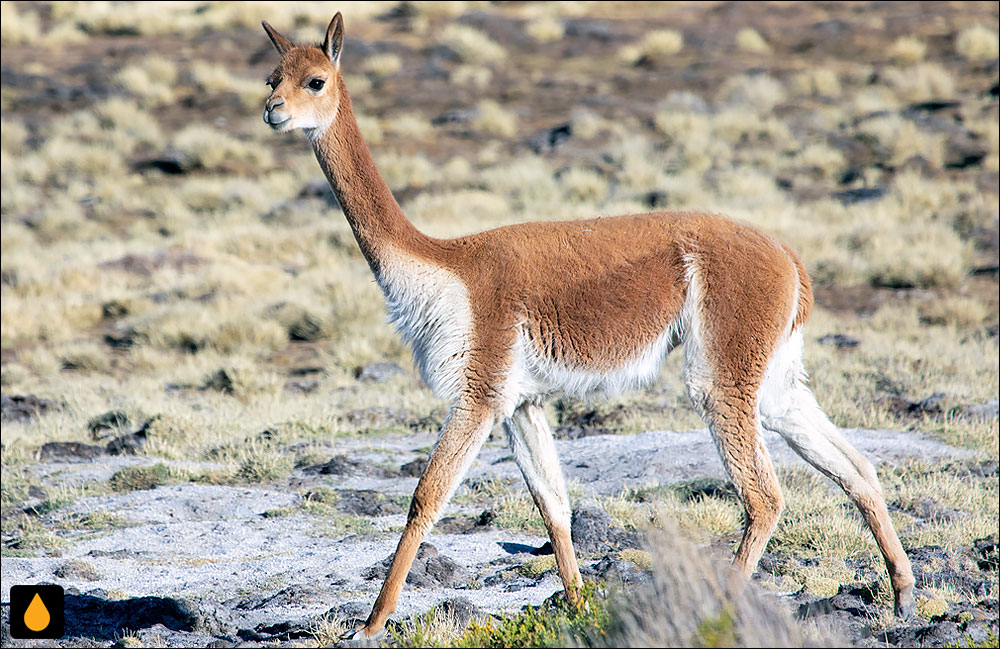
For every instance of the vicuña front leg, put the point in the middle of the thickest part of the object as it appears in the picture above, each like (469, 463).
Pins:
(535, 453)
(463, 434)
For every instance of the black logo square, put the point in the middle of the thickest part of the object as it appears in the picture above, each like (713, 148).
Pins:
(37, 612)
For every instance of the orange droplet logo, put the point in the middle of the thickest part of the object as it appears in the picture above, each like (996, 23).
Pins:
(36, 617)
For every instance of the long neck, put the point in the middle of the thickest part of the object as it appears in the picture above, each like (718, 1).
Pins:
(378, 223)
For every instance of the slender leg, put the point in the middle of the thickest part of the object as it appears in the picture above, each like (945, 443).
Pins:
(729, 407)
(808, 431)
(535, 453)
(735, 427)
(463, 434)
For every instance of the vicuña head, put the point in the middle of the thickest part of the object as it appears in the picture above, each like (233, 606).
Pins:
(305, 87)
(501, 320)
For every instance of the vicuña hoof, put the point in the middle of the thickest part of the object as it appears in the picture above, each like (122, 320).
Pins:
(361, 637)
(905, 605)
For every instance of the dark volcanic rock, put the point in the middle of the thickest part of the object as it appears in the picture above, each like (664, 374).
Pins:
(986, 553)
(430, 570)
(988, 410)
(351, 610)
(24, 407)
(131, 443)
(113, 420)
(220, 380)
(548, 140)
(287, 630)
(366, 502)
(298, 594)
(146, 265)
(68, 451)
(935, 567)
(901, 406)
(460, 610)
(860, 195)
(575, 424)
(594, 532)
(378, 418)
(840, 341)
(76, 569)
(615, 571)
(455, 116)
(170, 162)
(320, 189)
(591, 28)
(938, 634)
(304, 386)
(377, 372)
(342, 465)
(414, 469)
(465, 524)
(95, 616)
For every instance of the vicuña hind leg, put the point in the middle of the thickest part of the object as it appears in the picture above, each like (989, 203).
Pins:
(789, 408)
(535, 453)
(733, 421)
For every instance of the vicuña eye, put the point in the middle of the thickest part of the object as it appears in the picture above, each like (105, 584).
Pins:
(316, 84)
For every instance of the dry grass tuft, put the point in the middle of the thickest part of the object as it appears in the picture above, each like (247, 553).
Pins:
(537, 566)
(327, 631)
(819, 82)
(471, 45)
(907, 50)
(750, 40)
(214, 78)
(920, 82)
(545, 29)
(150, 81)
(471, 75)
(690, 603)
(958, 311)
(656, 46)
(494, 119)
(18, 24)
(978, 43)
(759, 92)
(436, 628)
(408, 125)
(583, 185)
(218, 150)
(383, 65)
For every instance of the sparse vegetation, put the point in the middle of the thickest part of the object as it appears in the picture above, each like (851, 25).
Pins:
(135, 478)
(165, 254)
(656, 46)
(750, 40)
(978, 43)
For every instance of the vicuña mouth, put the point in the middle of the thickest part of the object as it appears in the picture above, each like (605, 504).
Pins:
(276, 125)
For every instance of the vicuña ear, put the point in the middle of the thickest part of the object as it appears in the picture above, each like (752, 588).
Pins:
(281, 43)
(334, 43)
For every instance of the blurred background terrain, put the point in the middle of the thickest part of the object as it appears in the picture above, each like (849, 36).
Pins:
(173, 268)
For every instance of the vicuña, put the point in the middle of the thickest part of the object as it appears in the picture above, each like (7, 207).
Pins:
(501, 320)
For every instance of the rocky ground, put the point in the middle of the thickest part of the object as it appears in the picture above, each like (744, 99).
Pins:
(255, 565)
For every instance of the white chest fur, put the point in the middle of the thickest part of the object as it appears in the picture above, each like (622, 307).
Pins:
(429, 307)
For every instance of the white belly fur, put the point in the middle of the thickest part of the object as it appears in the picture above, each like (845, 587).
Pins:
(533, 374)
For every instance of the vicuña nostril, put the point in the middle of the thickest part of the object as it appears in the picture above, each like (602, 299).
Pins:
(274, 104)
